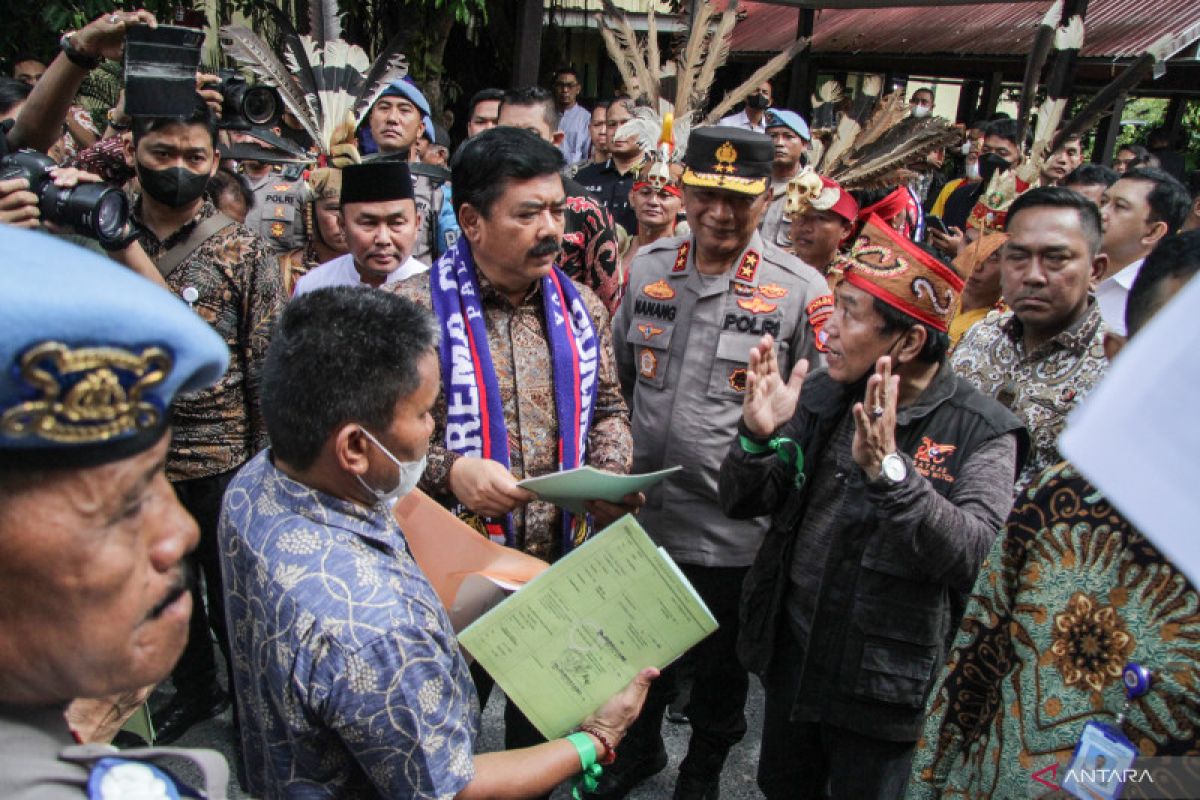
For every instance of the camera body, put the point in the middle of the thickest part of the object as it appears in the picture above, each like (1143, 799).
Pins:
(245, 106)
(95, 210)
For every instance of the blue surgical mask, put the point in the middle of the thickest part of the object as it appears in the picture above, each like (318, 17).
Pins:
(410, 473)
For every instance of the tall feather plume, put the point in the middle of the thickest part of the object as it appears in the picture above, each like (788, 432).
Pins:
(715, 57)
(1050, 114)
(626, 40)
(847, 131)
(887, 115)
(245, 47)
(883, 163)
(760, 76)
(390, 65)
(1043, 41)
(691, 58)
(324, 23)
(617, 52)
(1135, 73)
(653, 57)
(297, 52)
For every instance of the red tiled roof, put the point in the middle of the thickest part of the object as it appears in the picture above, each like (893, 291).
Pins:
(1115, 28)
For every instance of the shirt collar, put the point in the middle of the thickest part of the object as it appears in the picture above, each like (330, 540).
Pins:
(937, 392)
(1127, 275)
(375, 523)
(489, 293)
(1076, 338)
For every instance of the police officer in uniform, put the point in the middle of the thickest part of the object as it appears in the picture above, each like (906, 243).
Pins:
(93, 583)
(394, 123)
(694, 308)
(790, 136)
(279, 197)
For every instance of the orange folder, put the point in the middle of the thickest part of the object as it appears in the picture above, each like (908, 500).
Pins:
(469, 572)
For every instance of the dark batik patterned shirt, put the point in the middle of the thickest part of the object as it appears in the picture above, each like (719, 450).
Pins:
(239, 291)
(521, 356)
(1069, 594)
(590, 250)
(350, 682)
(1041, 386)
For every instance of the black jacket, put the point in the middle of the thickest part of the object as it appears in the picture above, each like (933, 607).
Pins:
(901, 596)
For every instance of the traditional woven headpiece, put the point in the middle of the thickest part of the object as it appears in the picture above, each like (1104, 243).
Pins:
(891, 267)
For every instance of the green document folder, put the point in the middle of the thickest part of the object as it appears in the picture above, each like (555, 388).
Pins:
(571, 488)
(580, 631)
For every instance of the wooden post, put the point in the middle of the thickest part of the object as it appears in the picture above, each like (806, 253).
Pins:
(529, 47)
(1106, 134)
(803, 78)
(1174, 118)
(991, 95)
(968, 102)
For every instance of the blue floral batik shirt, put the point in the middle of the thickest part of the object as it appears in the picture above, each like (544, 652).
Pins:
(349, 680)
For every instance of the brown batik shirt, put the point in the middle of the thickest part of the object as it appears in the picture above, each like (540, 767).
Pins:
(520, 351)
(239, 292)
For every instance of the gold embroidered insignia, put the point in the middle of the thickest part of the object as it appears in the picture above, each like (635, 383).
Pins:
(89, 394)
(659, 290)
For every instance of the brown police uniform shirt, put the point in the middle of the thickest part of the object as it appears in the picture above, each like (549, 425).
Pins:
(682, 341)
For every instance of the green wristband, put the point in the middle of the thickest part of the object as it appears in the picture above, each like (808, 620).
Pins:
(784, 448)
(587, 760)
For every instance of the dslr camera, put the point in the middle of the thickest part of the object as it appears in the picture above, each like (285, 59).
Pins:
(95, 210)
(245, 106)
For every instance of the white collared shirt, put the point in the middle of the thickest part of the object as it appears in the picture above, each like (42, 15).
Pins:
(340, 271)
(740, 120)
(1113, 293)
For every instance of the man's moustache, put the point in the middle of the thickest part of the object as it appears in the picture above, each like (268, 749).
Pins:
(546, 247)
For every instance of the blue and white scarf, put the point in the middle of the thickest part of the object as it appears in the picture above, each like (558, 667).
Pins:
(474, 412)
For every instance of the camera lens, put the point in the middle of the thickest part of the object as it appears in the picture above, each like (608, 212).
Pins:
(259, 105)
(94, 209)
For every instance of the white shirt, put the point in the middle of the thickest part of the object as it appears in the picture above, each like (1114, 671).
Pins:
(1113, 293)
(740, 120)
(341, 272)
(577, 136)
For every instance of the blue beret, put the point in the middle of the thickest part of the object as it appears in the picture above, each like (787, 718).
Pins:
(408, 90)
(91, 355)
(782, 118)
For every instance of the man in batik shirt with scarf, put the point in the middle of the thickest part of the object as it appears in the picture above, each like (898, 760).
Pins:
(528, 375)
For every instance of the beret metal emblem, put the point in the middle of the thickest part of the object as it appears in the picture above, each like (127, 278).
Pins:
(88, 394)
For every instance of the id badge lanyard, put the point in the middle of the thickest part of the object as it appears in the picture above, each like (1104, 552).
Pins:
(1104, 756)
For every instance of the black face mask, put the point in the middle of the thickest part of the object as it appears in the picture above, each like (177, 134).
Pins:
(174, 186)
(759, 102)
(989, 164)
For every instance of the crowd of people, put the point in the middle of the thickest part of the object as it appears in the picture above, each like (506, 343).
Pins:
(207, 416)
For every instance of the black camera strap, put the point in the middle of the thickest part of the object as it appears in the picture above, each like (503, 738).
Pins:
(178, 253)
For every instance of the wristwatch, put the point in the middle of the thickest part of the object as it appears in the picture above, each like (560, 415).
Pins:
(74, 55)
(893, 468)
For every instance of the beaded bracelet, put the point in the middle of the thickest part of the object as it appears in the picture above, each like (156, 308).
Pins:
(610, 750)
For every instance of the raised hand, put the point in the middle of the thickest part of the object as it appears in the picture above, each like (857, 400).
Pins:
(770, 398)
(875, 419)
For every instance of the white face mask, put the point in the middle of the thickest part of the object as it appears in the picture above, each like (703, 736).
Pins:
(972, 170)
(920, 111)
(406, 481)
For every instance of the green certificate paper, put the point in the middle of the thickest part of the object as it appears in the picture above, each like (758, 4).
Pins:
(580, 631)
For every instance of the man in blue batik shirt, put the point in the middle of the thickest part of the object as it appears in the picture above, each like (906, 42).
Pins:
(348, 678)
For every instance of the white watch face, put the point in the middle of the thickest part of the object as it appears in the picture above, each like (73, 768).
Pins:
(894, 468)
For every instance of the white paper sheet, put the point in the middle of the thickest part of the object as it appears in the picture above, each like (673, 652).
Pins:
(1137, 435)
